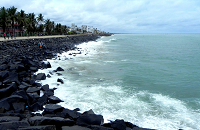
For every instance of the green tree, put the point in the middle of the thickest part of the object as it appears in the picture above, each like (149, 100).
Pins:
(31, 22)
(3, 18)
(48, 26)
(12, 13)
(40, 19)
(21, 17)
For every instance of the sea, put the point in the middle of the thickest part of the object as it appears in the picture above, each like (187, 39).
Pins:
(150, 80)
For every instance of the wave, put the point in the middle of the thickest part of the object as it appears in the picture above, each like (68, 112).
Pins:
(110, 97)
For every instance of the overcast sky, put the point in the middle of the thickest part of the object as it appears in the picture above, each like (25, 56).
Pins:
(118, 16)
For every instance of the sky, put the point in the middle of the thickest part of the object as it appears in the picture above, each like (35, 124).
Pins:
(118, 16)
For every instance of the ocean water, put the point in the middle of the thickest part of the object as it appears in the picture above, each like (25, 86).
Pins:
(151, 80)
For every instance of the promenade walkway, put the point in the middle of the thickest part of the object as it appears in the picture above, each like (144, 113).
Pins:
(35, 37)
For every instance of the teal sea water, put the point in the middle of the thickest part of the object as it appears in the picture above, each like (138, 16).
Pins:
(151, 80)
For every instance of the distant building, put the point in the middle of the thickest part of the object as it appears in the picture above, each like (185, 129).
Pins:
(15, 30)
(84, 28)
(90, 29)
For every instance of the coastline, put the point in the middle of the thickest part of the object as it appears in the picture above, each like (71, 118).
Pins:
(20, 59)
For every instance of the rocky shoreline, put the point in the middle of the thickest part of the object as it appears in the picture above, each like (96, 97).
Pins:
(20, 94)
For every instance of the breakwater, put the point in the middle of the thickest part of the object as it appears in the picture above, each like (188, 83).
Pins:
(21, 95)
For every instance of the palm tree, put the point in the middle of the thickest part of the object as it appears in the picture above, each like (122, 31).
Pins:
(12, 12)
(21, 17)
(3, 18)
(30, 22)
(48, 26)
(40, 19)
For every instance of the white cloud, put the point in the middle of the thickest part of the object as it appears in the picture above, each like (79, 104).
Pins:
(133, 16)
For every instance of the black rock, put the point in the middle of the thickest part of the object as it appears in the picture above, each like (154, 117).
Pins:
(3, 75)
(59, 69)
(33, 89)
(54, 100)
(43, 100)
(48, 75)
(19, 106)
(13, 125)
(6, 102)
(34, 69)
(13, 77)
(9, 118)
(58, 121)
(45, 87)
(60, 80)
(41, 76)
(53, 108)
(21, 93)
(96, 127)
(90, 119)
(49, 92)
(118, 125)
(36, 106)
(66, 113)
(46, 127)
(75, 128)
(5, 92)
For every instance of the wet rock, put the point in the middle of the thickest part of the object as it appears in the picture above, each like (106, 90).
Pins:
(45, 87)
(54, 100)
(118, 125)
(60, 80)
(41, 76)
(90, 119)
(59, 69)
(66, 113)
(53, 108)
(33, 89)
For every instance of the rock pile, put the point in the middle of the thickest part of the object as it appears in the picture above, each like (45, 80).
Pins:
(21, 95)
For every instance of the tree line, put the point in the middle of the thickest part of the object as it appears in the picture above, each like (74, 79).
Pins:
(29, 22)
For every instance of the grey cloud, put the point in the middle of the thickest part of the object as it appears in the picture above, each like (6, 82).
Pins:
(119, 15)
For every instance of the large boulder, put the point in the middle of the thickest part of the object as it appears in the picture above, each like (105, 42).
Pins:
(9, 118)
(5, 92)
(13, 77)
(118, 125)
(41, 76)
(58, 121)
(54, 100)
(6, 102)
(45, 127)
(33, 89)
(13, 125)
(53, 108)
(90, 119)
(75, 128)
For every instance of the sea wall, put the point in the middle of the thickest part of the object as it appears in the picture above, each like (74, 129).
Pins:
(21, 95)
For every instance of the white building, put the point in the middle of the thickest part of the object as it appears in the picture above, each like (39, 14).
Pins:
(84, 28)
(90, 29)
